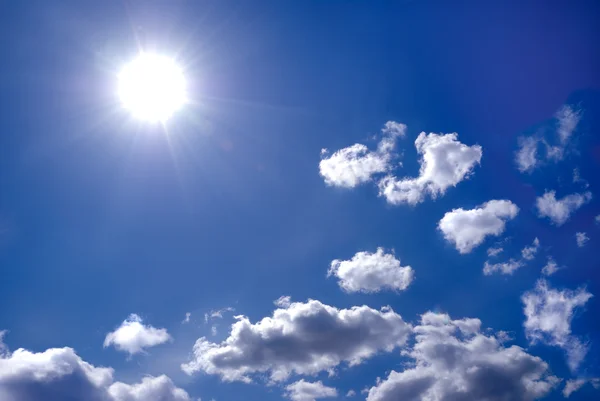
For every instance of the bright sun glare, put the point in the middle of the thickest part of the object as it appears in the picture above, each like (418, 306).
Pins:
(152, 87)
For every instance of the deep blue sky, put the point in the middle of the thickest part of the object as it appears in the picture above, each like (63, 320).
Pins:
(101, 217)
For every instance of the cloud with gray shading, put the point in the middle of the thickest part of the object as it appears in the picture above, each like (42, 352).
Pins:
(445, 162)
(132, 336)
(548, 315)
(302, 338)
(454, 361)
(371, 272)
(558, 211)
(574, 385)
(356, 164)
(59, 374)
(467, 229)
(309, 391)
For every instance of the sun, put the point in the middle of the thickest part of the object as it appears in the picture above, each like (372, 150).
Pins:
(152, 87)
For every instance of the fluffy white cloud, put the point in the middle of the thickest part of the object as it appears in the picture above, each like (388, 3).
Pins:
(132, 336)
(455, 361)
(371, 272)
(307, 391)
(550, 268)
(559, 210)
(575, 384)
(304, 338)
(528, 253)
(581, 239)
(356, 164)
(503, 267)
(59, 374)
(444, 163)
(467, 229)
(548, 315)
(526, 157)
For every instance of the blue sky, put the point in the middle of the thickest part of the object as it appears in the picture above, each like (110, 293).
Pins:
(112, 229)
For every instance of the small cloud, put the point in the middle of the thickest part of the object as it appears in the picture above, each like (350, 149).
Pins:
(213, 330)
(527, 155)
(217, 314)
(307, 391)
(467, 229)
(351, 393)
(528, 253)
(283, 301)
(187, 318)
(494, 251)
(560, 210)
(581, 239)
(133, 337)
(550, 268)
(503, 268)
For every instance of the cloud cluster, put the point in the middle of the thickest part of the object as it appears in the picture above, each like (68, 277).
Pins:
(133, 336)
(455, 361)
(307, 391)
(467, 229)
(527, 254)
(302, 338)
(371, 272)
(548, 314)
(444, 163)
(59, 374)
(356, 164)
(559, 210)
(533, 150)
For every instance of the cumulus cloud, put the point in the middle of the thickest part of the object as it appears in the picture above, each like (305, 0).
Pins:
(454, 360)
(59, 374)
(528, 253)
(575, 384)
(559, 210)
(371, 272)
(444, 163)
(581, 239)
(133, 336)
(564, 124)
(302, 338)
(550, 267)
(548, 314)
(307, 391)
(467, 229)
(356, 164)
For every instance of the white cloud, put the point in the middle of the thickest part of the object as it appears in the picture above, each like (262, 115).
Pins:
(356, 164)
(283, 301)
(132, 336)
(528, 253)
(217, 313)
(307, 391)
(454, 360)
(550, 268)
(213, 330)
(575, 384)
(467, 229)
(567, 119)
(371, 272)
(302, 338)
(548, 315)
(351, 393)
(597, 219)
(59, 374)
(565, 123)
(503, 268)
(581, 239)
(188, 315)
(559, 210)
(526, 157)
(494, 251)
(444, 163)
